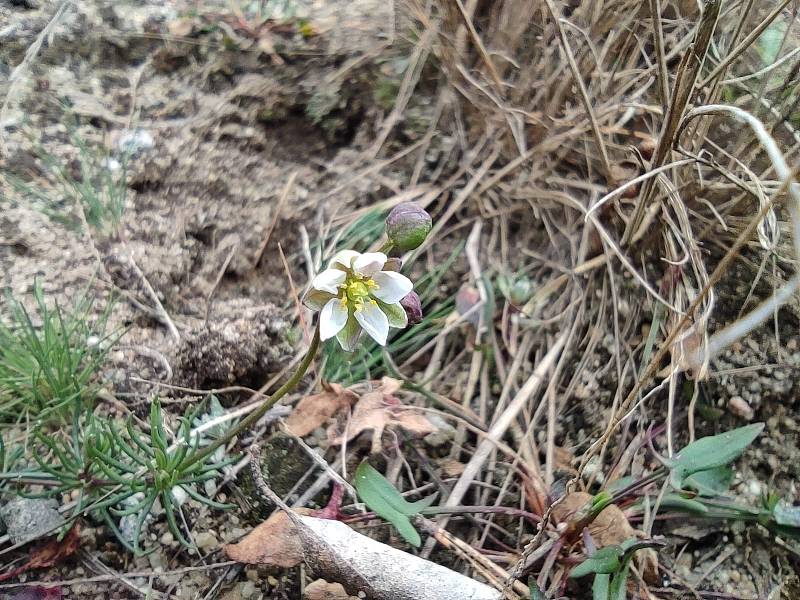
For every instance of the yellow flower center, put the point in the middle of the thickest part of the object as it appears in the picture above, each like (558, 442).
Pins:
(356, 291)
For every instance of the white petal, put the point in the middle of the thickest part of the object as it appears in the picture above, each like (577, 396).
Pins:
(392, 287)
(374, 322)
(332, 319)
(329, 281)
(369, 263)
(343, 258)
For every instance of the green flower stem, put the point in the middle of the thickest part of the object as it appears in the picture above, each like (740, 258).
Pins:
(387, 246)
(253, 417)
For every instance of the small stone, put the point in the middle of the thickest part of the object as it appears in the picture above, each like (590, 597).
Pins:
(206, 540)
(739, 407)
(167, 539)
(157, 562)
(248, 590)
(754, 487)
(27, 519)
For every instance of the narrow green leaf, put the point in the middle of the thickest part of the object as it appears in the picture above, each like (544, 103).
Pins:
(619, 584)
(368, 477)
(536, 592)
(605, 560)
(711, 452)
(382, 498)
(678, 502)
(600, 586)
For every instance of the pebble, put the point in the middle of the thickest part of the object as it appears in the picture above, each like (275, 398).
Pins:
(252, 574)
(206, 540)
(739, 407)
(167, 539)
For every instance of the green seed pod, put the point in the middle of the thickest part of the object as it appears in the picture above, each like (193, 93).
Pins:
(407, 226)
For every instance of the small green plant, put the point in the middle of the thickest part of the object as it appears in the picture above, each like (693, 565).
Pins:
(699, 477)
(46, 368)
(384, 500)
(610, 566)
(118, 472)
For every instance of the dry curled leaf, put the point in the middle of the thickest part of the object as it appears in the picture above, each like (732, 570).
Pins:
(48, 554)
(609, 528)
(273, 543)
(378, 410)
(314, 411)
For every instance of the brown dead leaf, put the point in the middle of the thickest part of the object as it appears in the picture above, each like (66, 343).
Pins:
(314, 411)
(325, 590)
(564, 459)
(378, 410)
(48, 554)
(451, 467)
(610, 527)
(275, 542)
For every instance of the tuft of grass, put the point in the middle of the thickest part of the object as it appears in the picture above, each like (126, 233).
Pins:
(94, 194)
(49, 360)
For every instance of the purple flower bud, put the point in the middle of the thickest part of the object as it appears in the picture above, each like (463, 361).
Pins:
(407, 226)
(413, 308)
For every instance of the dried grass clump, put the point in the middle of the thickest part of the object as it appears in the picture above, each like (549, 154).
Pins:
(623, 155)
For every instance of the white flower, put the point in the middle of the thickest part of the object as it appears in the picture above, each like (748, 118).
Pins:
(355, 293)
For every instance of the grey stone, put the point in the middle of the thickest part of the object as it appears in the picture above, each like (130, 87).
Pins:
(28, 519)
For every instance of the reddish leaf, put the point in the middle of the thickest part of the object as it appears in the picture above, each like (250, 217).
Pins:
(37, 592)
(48, 554)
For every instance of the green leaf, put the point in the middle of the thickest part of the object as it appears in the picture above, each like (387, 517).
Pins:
(678, 502)
(600, 586)
(605, 560)
(619, 584)
(536, 592)
(711, 452)
(711, 482)
(382, 498)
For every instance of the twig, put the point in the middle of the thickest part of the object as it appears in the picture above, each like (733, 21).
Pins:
(281, 203)
(162, 313)
(584, 94)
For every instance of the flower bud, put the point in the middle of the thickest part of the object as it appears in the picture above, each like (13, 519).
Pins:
(413, 307)
(407, 226)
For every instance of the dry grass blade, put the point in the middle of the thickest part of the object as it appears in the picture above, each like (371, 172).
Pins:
(685, 81)
(584, 94)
